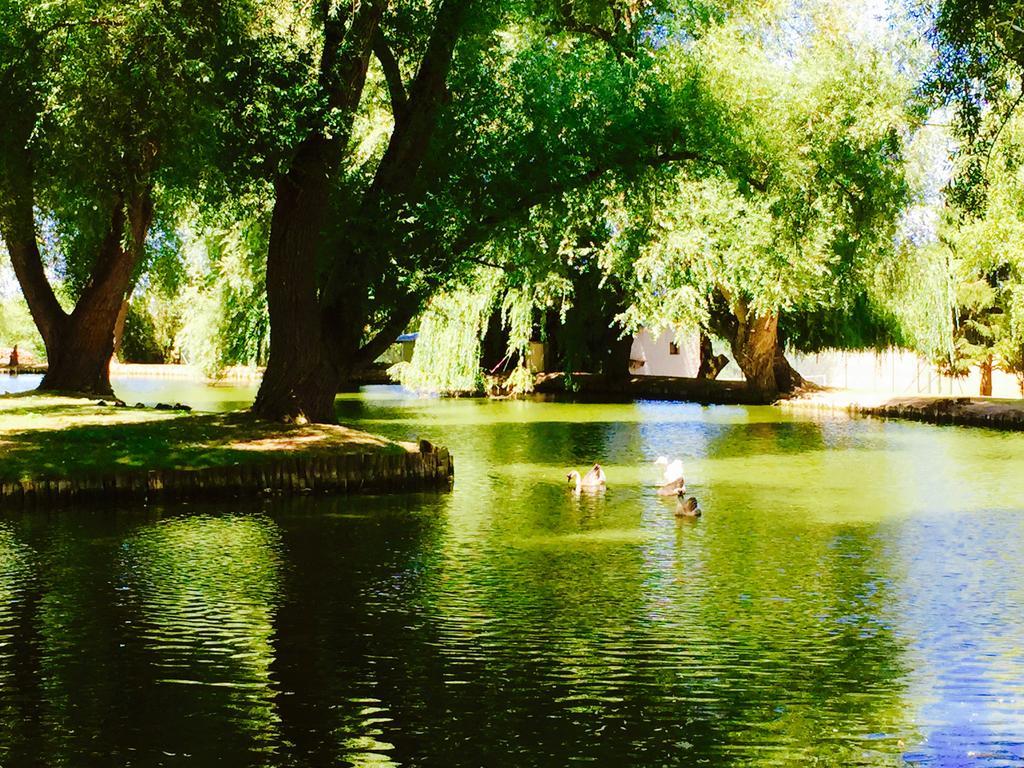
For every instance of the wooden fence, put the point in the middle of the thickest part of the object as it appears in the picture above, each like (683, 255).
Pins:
(341, 473)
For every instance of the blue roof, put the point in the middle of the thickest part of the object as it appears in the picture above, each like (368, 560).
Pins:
(408, 337)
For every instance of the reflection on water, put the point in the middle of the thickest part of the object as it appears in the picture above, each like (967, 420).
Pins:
(852, 596)
(204, 590)
(15, 580)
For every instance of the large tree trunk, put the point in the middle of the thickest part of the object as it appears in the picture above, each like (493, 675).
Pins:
(78, 353)
(18, 229)
(78, 359)
(754, 339)
(302, 379)
(300, 382)
(986, 377)
(308, 396)
(754, 346)
(316, 335)
(78, 346)
(787, 379)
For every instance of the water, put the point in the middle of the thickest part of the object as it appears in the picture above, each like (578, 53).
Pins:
(152, 390)
(853, 595)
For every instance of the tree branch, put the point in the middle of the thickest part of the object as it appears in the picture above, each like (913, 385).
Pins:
(1002, 124)
(571, 24)
(403, 312)
(488, 223)
(488, 263)
(18, 229)
(346, 53)
(392, 73)
(411, 137)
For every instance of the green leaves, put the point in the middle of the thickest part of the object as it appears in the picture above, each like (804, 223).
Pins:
(800, 212)
(984, 247)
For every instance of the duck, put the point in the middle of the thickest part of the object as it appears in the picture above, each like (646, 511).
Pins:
(672, 488)
(592, 481)
(672, 482)
(687, 507)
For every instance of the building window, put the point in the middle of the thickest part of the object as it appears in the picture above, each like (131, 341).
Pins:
(673, 348)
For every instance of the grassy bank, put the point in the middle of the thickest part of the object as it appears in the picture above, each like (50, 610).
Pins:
(63, 437)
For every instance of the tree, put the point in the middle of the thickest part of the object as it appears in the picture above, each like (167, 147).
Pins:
(786, 219)
(807, 236)
(426, 131)
(977, 69)
(979, 73)
(983, 241)
(110, 109)
(446, 357)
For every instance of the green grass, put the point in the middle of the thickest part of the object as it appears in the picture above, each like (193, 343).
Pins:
(44, 437)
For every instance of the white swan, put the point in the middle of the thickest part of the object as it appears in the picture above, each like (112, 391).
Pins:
(593, 480)
(672, 481)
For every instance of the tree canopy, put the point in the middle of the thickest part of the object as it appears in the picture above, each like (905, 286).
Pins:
(568, 170)
(113, 114)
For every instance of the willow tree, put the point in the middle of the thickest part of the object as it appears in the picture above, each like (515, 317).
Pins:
(982, 236)
(426, 128)
(978, 70)
(978, 75)
(109, 108)
(808, 233)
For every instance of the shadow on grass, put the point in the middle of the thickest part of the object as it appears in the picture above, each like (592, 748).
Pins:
(59, 439)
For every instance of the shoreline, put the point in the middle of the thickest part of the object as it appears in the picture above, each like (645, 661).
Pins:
(703, 391)
(994, 413)
(236, 374)
(61, 450)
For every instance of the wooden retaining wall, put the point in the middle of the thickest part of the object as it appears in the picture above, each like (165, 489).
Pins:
(962, 411)
(704, 391)
(342, 473)
(26, 369)
(937, 414)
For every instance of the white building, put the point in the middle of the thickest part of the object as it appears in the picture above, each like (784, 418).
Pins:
(663, 356)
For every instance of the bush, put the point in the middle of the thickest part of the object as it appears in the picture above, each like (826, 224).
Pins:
(17, 327)
(139, 343)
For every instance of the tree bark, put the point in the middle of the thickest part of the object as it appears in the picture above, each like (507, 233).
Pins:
(787, 379)
(18, 228)
(78, 360)
(78, 346)
(710, 364)
(79, 352)
(415, 122)
(754, 339)
(986, 377)
(122, 319)
(316, 335)
(301, 379)
(754, 345)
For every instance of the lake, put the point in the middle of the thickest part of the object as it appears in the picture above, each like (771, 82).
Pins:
(852, 595)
